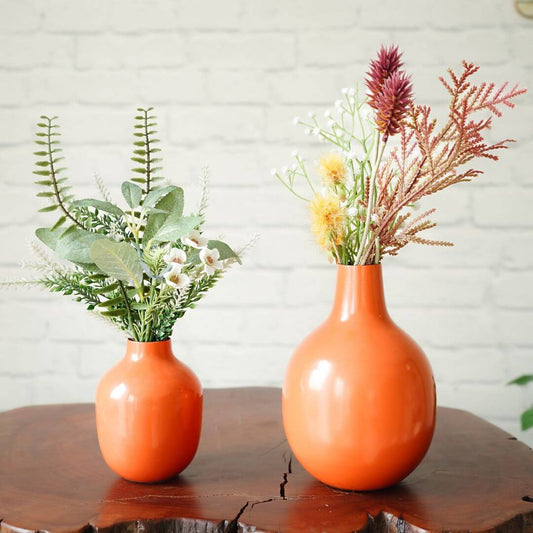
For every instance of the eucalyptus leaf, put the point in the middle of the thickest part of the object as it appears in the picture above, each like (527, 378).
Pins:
(175, 228)
(74, 244)
(132, 194)
(224, 250)
(153, 197)
(169, 208)
(49, 237)
(118, 260)
(107, 207)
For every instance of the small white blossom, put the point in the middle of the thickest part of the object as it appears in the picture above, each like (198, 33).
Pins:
(175, 278)
(210, 259)
(296, 121)
(311, 114)
(175, 256)
(308, 131)
(338, 104)
(351, 211)
(194, 239)
(351, 154)
(331, 123)
(351, 92)
(344, 90)
(285, 169)
(316, 131)
(273, 171)
(294, 166)
(327, 113)
(295, 153)
(374, 218)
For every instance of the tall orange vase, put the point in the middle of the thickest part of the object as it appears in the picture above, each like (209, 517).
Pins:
(359, 396)
(149, 413)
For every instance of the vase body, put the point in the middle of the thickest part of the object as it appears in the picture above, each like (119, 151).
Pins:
(359, 396)
(149, 413)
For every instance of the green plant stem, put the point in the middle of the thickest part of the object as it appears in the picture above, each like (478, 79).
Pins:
(363, 249)
(128, 309)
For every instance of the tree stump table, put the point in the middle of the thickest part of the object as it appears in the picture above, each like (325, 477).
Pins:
(52, 478)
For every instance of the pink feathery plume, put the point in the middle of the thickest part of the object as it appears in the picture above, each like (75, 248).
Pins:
(392, 103)
(388, 62)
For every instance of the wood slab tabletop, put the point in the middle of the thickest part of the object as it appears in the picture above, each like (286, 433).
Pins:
(52, 478)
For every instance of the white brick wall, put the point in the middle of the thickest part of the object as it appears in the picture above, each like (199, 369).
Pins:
(227, 78)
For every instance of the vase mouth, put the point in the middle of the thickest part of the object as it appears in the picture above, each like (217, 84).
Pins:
(144, 343)
(350, 267)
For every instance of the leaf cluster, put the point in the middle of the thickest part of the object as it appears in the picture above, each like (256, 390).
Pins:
(117, 257)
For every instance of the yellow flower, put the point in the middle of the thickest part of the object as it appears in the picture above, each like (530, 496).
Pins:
(332, 169)
(327, 220)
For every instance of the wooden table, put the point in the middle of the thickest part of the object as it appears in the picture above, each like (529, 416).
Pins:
(52, 478)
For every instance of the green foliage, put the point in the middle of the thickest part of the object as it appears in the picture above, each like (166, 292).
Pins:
(118, 260)
(145, 150)
(527, 416)
(527, 419)
(522, 380)
(55, 188)
(124, 261)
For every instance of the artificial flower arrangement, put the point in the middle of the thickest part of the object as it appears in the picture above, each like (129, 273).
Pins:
(364, 206)
(141, 265)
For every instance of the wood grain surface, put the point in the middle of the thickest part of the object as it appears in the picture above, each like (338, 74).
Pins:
(52, 478)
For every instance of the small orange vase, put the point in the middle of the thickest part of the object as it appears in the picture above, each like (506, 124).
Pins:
(359, 396)
(149, 413)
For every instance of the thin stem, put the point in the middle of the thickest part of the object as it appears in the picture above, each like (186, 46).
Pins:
(380, 148)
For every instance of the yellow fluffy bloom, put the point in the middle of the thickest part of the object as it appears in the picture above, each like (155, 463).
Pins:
(332, 169)
(327, 220)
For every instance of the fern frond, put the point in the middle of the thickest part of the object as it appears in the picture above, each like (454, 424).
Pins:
(56, 188)
(144, 151)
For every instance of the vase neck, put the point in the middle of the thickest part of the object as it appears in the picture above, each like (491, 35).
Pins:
(359, 291)
(137, 351)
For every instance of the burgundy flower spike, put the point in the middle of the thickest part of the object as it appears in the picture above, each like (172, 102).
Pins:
(392, 103)
(388, 62)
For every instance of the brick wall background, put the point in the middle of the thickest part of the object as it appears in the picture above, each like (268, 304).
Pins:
(226, 79)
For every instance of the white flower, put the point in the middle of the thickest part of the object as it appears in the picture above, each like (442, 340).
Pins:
(273, 171)
(351, 92)
(308, 131)
(285, 169)
(351, 211)
(374, 218)
(176, 278)
(294, 167)
(327, 113)
(296, 121)
(338, 104)
(316, 131)
(175, 256)
(331, 123)
(210, 260)
(195, 239)
(295, 153)
(311, 114)
(344, 90)
(351, 154)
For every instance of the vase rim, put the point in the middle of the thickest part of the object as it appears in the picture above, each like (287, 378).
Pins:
(131, 341)
(378, 265)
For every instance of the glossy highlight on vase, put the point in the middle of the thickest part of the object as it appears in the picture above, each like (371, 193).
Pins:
(359, 395)
(149, 413)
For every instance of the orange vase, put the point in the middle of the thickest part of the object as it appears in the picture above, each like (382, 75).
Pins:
(359, 395)
(149, 413)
